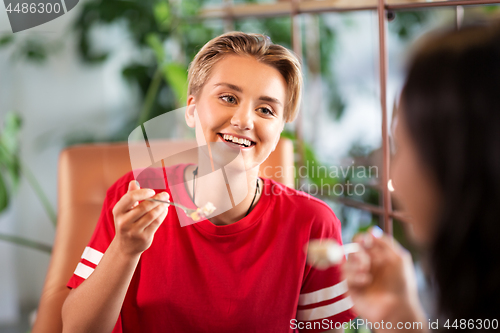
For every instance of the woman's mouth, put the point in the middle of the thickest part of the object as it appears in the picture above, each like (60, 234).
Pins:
(244, 143)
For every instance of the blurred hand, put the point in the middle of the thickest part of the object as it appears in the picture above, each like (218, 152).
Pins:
(382, 282)
(136, 223)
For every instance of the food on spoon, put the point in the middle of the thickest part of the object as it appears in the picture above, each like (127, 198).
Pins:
(323, 253)
(203, 212)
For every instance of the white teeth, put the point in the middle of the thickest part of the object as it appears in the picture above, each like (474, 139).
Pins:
(236, 140)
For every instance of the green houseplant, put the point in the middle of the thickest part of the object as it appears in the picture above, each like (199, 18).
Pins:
(12, 168)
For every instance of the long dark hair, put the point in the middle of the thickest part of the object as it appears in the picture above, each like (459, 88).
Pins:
(451, 103)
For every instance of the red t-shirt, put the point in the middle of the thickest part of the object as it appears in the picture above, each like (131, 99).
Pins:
(249, 276)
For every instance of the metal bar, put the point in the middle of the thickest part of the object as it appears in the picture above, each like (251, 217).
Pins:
(285, 8)
(401, 216)
(247, 10)
(297, 48)
(358, 204)
(229, 20)
(415, 5)
(459, 16)
(336, 6)
(386, 196)
(296, 35)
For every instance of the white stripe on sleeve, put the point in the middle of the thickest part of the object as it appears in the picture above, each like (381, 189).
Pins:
(92, 255)
(325, 311)
(83, 270)
(323, 294)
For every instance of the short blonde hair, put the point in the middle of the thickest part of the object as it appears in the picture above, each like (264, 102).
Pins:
(263, 50)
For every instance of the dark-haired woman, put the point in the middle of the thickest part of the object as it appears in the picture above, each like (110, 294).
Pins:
(446, 174)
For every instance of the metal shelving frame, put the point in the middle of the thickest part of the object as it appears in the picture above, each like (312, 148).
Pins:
(293, 8)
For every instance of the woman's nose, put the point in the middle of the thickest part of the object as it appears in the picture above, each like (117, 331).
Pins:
(242, 118)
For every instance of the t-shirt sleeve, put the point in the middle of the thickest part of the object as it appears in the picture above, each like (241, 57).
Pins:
(100, 240)
(92, 255)
(324, 299)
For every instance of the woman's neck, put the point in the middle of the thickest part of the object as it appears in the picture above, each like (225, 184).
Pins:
(230, 189)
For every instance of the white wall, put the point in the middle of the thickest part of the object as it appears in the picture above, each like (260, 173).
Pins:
(56, 99)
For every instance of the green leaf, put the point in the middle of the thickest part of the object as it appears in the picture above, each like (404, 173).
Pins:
(10, 163)
(10, 132)
(311, 161)
(176, 76)
(33, 49)
(15, 171)
(288, 135)
(6, 40)
(4, 195)
(162, 15)
(490, 9)
(190, 7)
(9, 146)
(153, 40)
(408, 23)
(138, 74)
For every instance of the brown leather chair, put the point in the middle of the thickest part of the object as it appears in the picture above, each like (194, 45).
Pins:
(85, 174)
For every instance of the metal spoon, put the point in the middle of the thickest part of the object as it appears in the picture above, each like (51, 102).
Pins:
(186, 210)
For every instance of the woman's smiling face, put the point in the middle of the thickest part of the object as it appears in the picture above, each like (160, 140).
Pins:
(243, 100)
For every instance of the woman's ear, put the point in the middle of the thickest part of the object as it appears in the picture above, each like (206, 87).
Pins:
(190, 109)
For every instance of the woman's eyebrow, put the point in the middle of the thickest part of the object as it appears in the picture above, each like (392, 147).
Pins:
(229, 85)
(270, 99)
(239, 89)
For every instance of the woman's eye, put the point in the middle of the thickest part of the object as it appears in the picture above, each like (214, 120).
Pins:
(266, 111)
(229, 99)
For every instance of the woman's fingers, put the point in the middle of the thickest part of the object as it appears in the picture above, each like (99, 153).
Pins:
(131, 198)
(149, 214)
(380, 278)
(356, 270)
(146, 206)
(360, 280)
(132, 211)
(385, 251)
(155, 224)
(362, 267)
(136, 222)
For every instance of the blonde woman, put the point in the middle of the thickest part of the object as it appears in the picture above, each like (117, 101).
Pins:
(241, 270)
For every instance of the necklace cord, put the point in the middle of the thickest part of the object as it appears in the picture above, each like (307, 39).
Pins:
(254, 196)
(195, 173)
